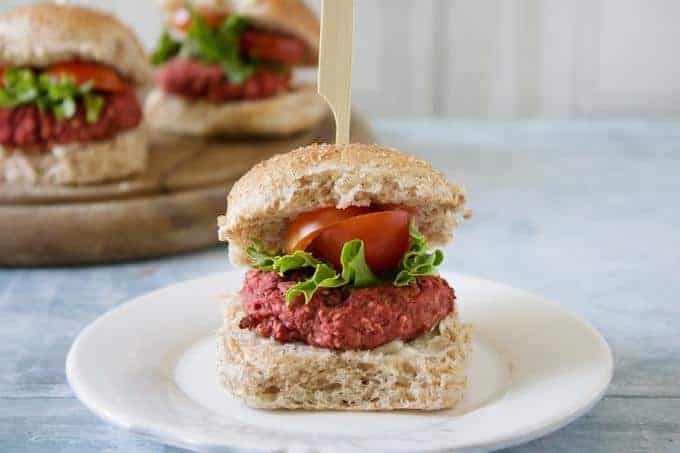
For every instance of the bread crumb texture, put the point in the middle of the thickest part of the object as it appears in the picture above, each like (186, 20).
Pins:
(264, 200)
(428, 373)
(77, 164)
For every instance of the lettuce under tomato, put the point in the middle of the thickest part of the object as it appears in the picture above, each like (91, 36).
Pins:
(57, 94)
(216, 45)
(272, 261)
(166, 49)
(417, 262)
(355, 271)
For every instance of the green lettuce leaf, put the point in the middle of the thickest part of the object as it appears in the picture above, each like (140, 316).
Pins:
(202, 41)
(20, 86)
(234, 66)
(219, 46)
(417, 262)
(297, 260)
(355, 271)
(93, 107)
(272, 261)
(166, 49)
(57, 94)
(307, 288)
(261, 258)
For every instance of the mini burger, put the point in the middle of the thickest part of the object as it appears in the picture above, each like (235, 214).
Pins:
(226, 68)
(69, 113)
(342, 307)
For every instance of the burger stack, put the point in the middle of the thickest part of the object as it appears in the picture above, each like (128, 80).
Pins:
(69, 109)
(228, 68)
(342, 306)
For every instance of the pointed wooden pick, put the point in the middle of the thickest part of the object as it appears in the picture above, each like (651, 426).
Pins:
(335, 62)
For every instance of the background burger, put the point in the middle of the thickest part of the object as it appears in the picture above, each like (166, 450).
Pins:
(69, 113)
(343, 307)
(226, 68)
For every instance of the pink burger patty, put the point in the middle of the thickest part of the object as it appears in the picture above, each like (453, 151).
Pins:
(342, 318)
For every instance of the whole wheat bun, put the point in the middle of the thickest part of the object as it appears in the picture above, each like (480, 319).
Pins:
(284, 114)
(288, 16)
(427, 373)
(77, 164)
(263, 202)
(45, 33)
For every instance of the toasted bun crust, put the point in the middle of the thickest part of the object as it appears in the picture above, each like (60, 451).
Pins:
(264, 200)
(428, 373)
(77, 164)
(42, 34)
(285, 114)
(289, 16)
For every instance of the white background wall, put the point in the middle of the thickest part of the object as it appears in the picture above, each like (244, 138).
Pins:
(500, 58)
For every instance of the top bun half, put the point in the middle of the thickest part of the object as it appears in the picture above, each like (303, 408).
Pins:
(47, 33)
(292, 17)
(263, 202)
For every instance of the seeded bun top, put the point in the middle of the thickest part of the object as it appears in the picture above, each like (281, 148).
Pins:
(45, 33)
(272, 193)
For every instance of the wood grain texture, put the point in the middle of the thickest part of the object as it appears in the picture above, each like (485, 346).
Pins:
(111, 230)
(164, 160)
(177, 212)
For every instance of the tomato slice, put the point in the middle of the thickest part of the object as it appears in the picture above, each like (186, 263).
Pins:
(181, 18)
(271, 46)
(103, 78)
(306, 227)
(385, 235)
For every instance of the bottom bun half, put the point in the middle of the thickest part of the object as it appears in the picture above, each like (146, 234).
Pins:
(285, 114)
(428, 373)
(78, 164)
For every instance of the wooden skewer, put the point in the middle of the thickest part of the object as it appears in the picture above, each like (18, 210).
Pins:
(335, 62)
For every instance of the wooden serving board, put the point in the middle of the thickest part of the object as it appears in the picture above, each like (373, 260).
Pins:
(173, 208)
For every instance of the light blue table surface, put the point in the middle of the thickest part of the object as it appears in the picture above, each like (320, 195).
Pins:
(587, 214)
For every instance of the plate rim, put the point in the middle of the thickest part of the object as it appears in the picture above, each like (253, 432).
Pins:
(169, 437)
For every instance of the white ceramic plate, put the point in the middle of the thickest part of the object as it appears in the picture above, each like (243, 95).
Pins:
(148, 366)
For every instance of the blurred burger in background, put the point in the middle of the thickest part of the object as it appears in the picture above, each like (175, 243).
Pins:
(227, 68)
(69, 112)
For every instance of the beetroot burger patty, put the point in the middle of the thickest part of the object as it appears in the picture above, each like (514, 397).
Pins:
(32, 129)
(197, 80)
(344, 318)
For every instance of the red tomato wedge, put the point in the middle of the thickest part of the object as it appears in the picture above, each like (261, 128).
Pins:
(103, 78)
(181, 18)
(270, 46)
(306, 227)
(385, 235)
